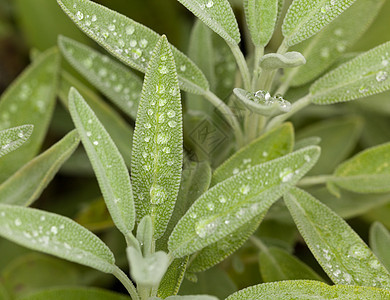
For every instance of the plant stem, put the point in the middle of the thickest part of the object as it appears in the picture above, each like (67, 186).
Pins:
(259, 52)
(297, 106)
(313, 180)
(242, 65)
(258, 243)
(121, 276)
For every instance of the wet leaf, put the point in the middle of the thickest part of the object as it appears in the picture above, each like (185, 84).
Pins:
(380, 243)
(13, 138)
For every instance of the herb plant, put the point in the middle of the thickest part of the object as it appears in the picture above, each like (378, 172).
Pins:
(183, 203)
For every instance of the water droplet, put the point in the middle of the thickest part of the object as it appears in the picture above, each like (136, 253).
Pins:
(18, 222)
(222, 199)
(172, 124)
(381, 76)
(193, 215)
(205, 227)
(111, 27)
(147, 125)
(146, 167)
(150, 112)
(246, 161)
(347, 277)
(167, 150)
(95, 143)
(129, 30)
(337, 273)
(324, 53)
(147, 139)
(358, 251)
(183, 68)
(158, 194)
(144, 154)
(210, 206)
(363, 89)
(93, 18)
(174, 91)
(42, 218)
(54, 230)
(338, 32)
(143, 43)
(286, 175)
(385, 62)
(265, 153)
(235, 171)
(163, 69)
(163, 58)
(245, 189)
(307, 158)
(375, 264)
(162, 138)
(171, 114)
(341, 47)
(209, 4)
(332, 2)
(79, 15)
(133, 43)
(67, 246)
(160, 88)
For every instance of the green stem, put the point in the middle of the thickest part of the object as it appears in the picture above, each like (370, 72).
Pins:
(314, 180)
(242, 65)
(258, 243)
(121, 276)
(297, 106)
(259, 52)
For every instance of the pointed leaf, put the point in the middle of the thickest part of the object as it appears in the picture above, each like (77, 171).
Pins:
(237, 200)
(306, 289)
(108, 164)
(145, 234)
(272, 61)
(365, 75)
(261, 18)
(306, 18)
(116, 82)
(158, 141)
(129, 41)
(218, 15)
(366, 172)
(173, 277)
(27, 184)
(380, 243)
(56, 235)
(339, 250)
(29, 100)
(13, 138)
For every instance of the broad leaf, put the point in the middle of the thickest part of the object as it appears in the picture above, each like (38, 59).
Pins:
(261, 18)
(129, 41)
(56, 235)
(380, 243)
(306, 18)
(218, 15)
(339, 250)
(158, 141)
(305, 289)
(365, 75)
(13, 138)
(108, 164)
(27, 184)
(29, 100)
(237, 200)
(366, 172)
(115, 81)
(272, 61)
(323, 49)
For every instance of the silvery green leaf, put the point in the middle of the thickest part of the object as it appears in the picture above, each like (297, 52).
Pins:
(309, 141)
(13, 138)
(338, 249)
(30, 99)
(158, 141)
(324, 49)
(237, 200)
(306, 18)
(108, 164)
(366, 172)
(173, 277)
(380, 243)
(129, 41)
(27, 184)
(216, 14)
(262, 102)
(145, 234)
(261, 18)
(365, 75)
(147, 270)
(272, 61)
(307, 289)
(54, 234)
(115, 81)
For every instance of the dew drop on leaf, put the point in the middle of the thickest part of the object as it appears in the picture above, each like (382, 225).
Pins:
(381, 76)
(286, 175)
(158, 194)
(358, 251)
(205, 227)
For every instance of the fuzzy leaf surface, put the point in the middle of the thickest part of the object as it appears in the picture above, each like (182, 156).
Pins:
(338, 249)
(380, 243)
(272, 61)
(306, 289)
(27, 184)
(218, 15)
(30, 99)
(129, 41)
(366, 172)
(158, 141)
(237, 200)
(306, 18)
(107, 162)
(54, 234)
(13, 138)
(365, 75)
(115, 81)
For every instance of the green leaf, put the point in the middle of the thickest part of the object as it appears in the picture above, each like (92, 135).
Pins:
(145, 234)
(29, 100)
(129, 41)
(95, 216)
(306, 289)
(158, 141)
(115, 81)
(108, 164)
(271, 145)
(56, 235)
(13, 138)
(306, 18)
(339, 250)
(76, 293)
(237, 200)
(366, 172)
(380, 243)
(27, 184)
(274, 61)
(218, 15)
(323, 49)
(262, 102)
(365, 75)
(261, 18)
(277, 264)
